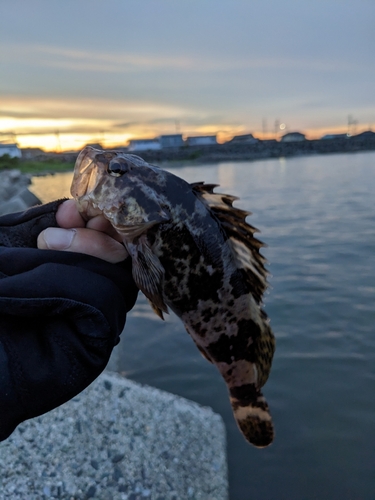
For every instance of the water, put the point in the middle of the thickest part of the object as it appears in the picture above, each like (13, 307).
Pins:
(317, 216)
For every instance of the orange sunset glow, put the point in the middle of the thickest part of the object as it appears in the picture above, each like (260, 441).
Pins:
(64, 125)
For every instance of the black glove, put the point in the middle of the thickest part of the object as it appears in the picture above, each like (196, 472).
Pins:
(61, 314)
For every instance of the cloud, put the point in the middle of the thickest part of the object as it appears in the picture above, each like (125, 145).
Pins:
(44, 108)
(195, 120)
(76, 60)
(37, 115)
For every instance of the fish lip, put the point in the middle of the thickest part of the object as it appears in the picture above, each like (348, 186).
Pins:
(84, 169)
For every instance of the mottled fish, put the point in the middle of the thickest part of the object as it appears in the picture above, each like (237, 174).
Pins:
(194, 253)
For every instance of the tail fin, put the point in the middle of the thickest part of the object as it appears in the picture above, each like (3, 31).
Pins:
(253, 418)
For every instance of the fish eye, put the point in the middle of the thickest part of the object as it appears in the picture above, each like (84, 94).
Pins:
(117, 168)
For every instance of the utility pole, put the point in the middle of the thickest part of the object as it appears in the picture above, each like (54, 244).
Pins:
(277, 127)
(264, 127)
(351, 125)
(58, 148)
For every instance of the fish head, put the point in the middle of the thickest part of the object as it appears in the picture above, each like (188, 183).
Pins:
(123, 187)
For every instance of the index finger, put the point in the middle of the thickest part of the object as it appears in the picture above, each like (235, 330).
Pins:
(100, 223)
(67, 215)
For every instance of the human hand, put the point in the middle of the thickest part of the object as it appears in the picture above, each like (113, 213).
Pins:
(96, 237)
(61, 313)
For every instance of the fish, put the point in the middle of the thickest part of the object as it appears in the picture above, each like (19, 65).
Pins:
(193, 253)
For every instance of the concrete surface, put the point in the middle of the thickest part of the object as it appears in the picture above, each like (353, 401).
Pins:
(117, 440)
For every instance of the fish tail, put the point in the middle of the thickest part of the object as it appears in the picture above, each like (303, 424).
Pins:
(252, 415)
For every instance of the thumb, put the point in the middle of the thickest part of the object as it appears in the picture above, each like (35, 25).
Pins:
(83, 240)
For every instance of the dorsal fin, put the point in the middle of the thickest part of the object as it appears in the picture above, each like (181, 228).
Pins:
(245, 247)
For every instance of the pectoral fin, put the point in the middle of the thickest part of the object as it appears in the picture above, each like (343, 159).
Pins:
(157, 310)
(148, 274)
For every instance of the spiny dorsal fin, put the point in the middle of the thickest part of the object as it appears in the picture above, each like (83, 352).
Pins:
(244, 245)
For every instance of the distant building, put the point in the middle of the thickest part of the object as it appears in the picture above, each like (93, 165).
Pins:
(368, 134)
(11, 150)
(171, 141)
(244, 139)
(334, 136)
(293, 137)
(143, 145)
(269, 142)
(31, 152)
(201, 140)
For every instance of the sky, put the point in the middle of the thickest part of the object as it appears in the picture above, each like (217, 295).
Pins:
(78, 71)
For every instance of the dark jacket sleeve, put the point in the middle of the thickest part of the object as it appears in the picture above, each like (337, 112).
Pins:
(61, 314)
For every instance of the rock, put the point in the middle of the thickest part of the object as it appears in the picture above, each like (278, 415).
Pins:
(14, 195)
(11, 182)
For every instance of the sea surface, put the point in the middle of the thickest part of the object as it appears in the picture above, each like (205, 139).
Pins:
(317, 216)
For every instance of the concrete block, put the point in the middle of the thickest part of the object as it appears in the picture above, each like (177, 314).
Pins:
(118, 440)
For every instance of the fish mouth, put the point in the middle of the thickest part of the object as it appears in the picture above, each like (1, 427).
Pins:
(86, 172)
(81, 189)
(83, 174)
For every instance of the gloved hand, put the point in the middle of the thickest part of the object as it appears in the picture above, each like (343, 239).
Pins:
(61, 313)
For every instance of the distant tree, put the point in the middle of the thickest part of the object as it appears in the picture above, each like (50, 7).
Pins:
(8, 162)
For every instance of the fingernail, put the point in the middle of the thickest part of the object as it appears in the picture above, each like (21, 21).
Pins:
(58, 239)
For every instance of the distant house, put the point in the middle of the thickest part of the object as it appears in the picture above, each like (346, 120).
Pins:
(268, 142)
(334, 136)
(368, 134)
(201, 140)
(31, 152)
(11, 150)
(171, 141)
(293, 137)
(244, 139)
(143, 145)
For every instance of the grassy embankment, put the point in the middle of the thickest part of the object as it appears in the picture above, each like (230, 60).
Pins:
(47, 166)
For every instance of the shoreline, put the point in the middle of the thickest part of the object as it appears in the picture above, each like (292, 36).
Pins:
(261, 150)
(233, 151)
